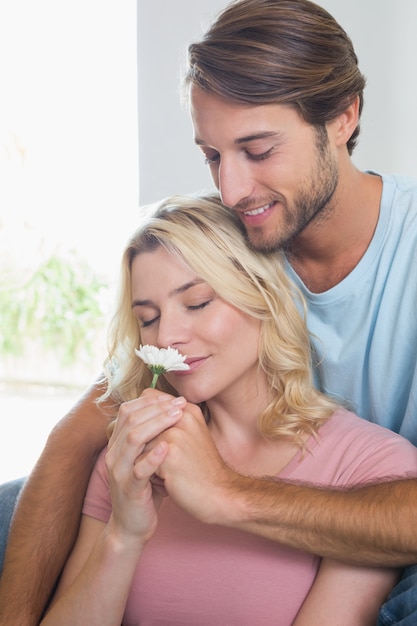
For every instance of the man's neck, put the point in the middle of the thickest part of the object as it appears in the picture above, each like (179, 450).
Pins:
(329, 249)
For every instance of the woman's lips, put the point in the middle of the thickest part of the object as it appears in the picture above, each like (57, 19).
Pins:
(193, 364)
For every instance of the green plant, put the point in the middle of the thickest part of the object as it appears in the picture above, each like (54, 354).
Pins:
(60, 307)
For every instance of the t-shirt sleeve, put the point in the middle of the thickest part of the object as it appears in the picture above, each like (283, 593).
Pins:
(351, 451)
(97, 502)
(379, 455)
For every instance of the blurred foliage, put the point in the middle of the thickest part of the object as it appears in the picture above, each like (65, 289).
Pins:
(59, 308)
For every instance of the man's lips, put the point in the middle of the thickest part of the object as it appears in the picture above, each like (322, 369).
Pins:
(258, 211)
(256, 215)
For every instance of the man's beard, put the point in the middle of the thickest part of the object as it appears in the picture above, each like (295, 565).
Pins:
(311, 204)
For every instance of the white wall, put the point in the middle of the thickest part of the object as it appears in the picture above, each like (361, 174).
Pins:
(382, 32)
(168, 160)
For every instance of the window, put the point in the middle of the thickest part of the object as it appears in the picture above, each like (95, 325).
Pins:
(68, 202)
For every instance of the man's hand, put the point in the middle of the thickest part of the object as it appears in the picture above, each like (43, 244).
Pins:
(193, 472)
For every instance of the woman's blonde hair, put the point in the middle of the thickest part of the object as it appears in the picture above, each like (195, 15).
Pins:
(211, 240)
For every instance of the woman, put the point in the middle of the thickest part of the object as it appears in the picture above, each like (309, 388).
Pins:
(246, 403)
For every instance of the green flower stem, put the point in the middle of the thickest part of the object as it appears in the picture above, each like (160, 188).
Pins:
(156, 370)
(154, 380)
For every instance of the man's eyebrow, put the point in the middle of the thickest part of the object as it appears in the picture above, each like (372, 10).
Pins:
(268, 134)
(174, 292)
(263, 135)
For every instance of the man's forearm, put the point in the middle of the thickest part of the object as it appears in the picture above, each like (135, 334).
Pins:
(372, 525)
(46, 519)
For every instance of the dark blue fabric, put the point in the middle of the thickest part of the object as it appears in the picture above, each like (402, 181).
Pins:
(8, 497)
(400, 609)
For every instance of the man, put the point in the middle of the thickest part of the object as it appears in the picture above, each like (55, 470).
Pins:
(275, 98)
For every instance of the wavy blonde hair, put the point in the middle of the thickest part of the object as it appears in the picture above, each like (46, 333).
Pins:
(211, 240)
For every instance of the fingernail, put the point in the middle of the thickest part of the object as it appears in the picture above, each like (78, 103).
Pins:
(178, 401)
(174, 412)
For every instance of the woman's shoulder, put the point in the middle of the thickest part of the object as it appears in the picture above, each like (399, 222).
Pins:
(347, 422)
(358, 451)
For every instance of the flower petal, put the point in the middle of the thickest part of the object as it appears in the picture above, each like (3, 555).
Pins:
(167, 358)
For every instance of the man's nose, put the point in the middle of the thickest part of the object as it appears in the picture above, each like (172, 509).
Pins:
(234, 182)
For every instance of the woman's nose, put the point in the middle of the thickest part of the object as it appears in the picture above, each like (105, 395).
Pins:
(171, 331)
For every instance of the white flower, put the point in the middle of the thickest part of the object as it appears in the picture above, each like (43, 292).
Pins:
(161, 360)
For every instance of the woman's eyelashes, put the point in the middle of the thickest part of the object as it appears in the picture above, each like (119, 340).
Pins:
(145, 323)
(197, 307)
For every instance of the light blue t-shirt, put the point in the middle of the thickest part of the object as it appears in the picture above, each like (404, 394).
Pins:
(365, 328)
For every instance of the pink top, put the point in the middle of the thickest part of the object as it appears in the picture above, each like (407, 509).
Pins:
(199, 575)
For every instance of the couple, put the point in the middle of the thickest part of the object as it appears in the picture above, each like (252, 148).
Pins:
(276, 97)
(243, 414)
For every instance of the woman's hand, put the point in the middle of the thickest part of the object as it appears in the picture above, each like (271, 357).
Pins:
(131, 463)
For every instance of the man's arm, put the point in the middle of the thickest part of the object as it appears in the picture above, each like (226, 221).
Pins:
(47, 516)
(369, 525)
(372, 525)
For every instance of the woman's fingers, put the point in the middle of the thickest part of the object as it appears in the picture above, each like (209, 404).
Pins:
(148, 463)
(140, 422)
(145, 408)
(129, 460)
